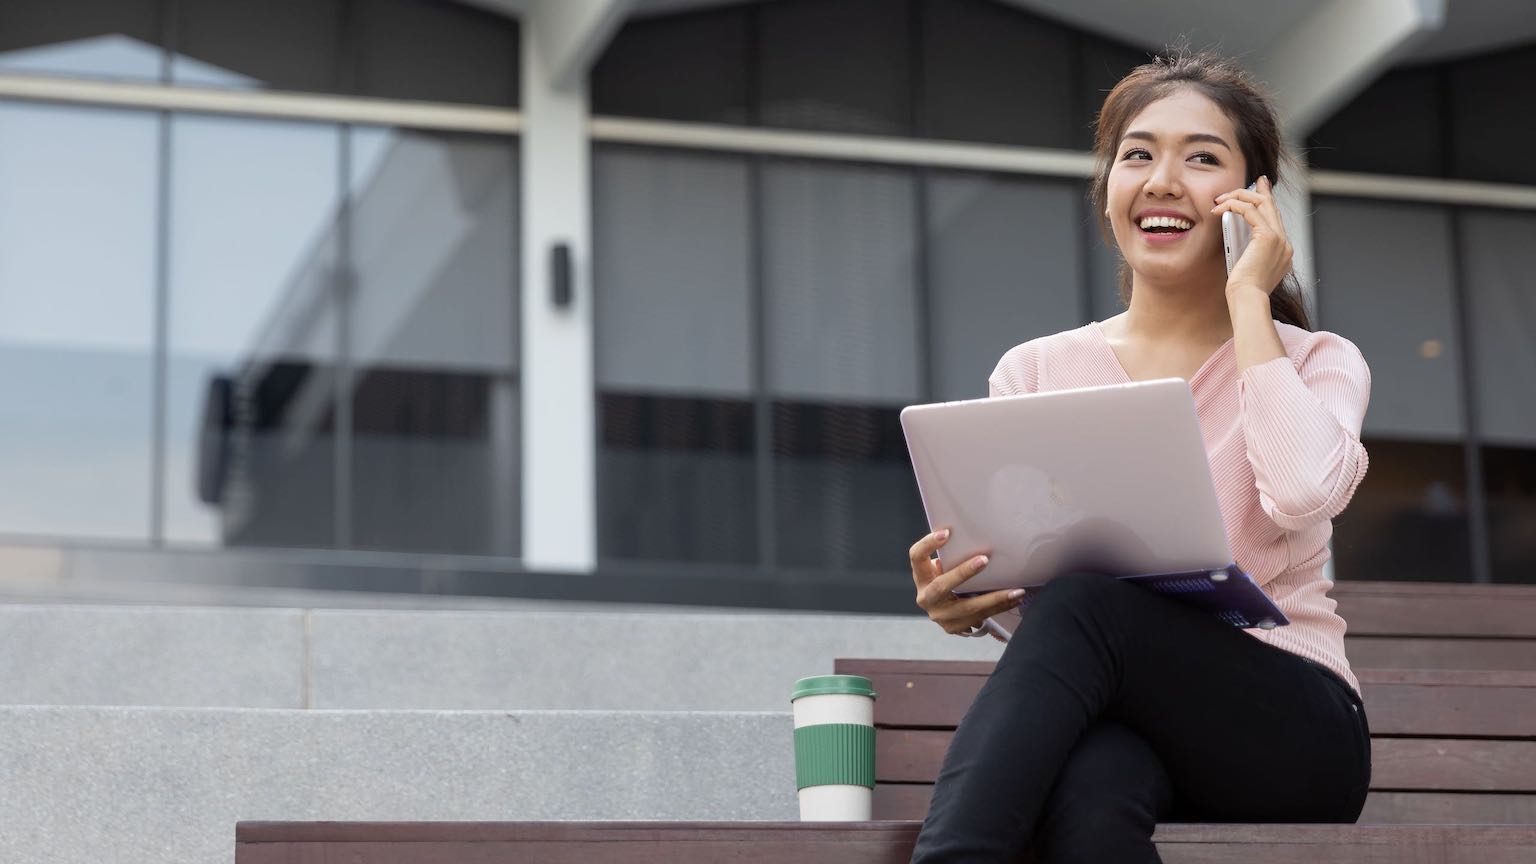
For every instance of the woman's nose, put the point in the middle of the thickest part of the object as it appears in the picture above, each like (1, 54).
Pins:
(1163, 182)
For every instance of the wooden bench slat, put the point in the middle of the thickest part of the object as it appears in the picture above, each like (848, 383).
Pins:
(845, 843)
(1463, 808)
(1436, 609)
(910, 801)
(1429, 764)
(1436, 703)
(1449, 764)
(880, 666)
(1384, 652)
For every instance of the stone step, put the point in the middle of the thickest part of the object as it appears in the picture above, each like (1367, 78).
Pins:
(90, 784)
(573, 658)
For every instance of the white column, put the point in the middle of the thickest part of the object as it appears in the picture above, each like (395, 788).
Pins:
(559, 512)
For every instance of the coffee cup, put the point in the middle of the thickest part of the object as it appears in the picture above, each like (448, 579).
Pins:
(834, 747)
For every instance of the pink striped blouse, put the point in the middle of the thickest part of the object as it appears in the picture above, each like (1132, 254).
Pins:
(1283, 439)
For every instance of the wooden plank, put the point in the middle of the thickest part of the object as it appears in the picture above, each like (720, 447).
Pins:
(852, 843)
(1383, 652)
(901, 800)
(909, 755)
(550, 831)
(869, 666)
(1427, 702)
(573, 842)
(1437, 609)
(1406, 764)
(910, 801)
(1450, 765)
(1450, 711)
(924, 700)
(1460, 808)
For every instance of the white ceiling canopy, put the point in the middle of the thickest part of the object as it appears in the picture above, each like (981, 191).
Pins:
(1239, 27)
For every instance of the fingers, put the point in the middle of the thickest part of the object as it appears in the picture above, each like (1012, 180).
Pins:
(1259, 201)
(963, 614)
(924, 568)
(984, 606)
(952, 579)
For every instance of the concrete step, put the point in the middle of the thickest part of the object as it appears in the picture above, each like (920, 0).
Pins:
(99, 784)
(572, 658)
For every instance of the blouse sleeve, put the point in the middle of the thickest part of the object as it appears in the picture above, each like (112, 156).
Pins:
(1301, 420)
(1017, 372)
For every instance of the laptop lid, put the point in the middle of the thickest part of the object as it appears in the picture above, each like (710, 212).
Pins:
(1113, 479)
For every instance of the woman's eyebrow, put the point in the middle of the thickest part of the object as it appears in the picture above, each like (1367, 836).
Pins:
(1193, 137)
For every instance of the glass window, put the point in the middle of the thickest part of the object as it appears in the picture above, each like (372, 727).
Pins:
(1499, 263)
(1385, 281)
(90, 38)
(256, 44)
(813, 75)
(1408, 519)
(431, 329)
(1395, 126)
(1500, 270)
(678, 67)
(677, 475)
(677, 478)
(435, 51)
(1005, 267)
(674, 264)
(844, 495)
(1509, 486)
(250, 421)
(844, 352)
(840, 266)
(1491, 121)
(77, 288)
(994, 73)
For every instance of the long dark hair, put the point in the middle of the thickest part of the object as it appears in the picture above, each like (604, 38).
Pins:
(1224, 82)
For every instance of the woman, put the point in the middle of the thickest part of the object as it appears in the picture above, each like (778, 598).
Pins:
(1113, 708)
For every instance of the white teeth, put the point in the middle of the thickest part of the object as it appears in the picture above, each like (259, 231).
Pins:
(1165, 222)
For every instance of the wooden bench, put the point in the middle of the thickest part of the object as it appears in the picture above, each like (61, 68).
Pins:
(848, 843)
(1447, 745)
(1447, 671)
(1449, 678)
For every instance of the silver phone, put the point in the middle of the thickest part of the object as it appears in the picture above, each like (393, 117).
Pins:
(1235, 234)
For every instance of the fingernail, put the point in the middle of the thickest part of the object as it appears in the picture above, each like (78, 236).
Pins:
(1015, 593)
(979, 561)
(942, 534)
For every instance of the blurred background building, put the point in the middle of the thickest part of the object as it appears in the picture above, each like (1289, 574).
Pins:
(619, 301)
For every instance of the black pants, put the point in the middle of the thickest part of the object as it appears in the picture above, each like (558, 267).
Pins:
(1113, 708)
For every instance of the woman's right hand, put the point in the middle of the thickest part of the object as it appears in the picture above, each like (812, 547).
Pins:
(936, 590)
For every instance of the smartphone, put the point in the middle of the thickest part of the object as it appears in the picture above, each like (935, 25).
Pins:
(1235, 234)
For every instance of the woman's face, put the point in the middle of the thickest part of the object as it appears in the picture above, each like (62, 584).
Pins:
(1174, 158)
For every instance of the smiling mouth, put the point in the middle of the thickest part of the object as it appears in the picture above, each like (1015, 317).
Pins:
(1165, 225)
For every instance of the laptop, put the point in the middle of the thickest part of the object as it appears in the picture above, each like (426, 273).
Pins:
(1111, 479)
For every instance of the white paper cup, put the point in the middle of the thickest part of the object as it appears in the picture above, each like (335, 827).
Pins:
(834, 747)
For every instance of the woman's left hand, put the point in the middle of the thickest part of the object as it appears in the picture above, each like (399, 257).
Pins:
(1268, 257)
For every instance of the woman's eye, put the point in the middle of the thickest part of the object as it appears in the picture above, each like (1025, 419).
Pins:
(1206, 159)
(1136, 153)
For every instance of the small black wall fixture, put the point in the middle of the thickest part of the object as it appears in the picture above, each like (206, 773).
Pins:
(560, 276)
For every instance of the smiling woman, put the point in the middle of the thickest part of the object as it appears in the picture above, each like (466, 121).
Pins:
(1237, 141)
(1081, 741)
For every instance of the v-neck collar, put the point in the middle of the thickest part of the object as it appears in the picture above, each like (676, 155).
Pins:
(1218, 354)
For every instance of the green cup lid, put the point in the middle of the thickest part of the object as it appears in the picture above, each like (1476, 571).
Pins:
(833, 685)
